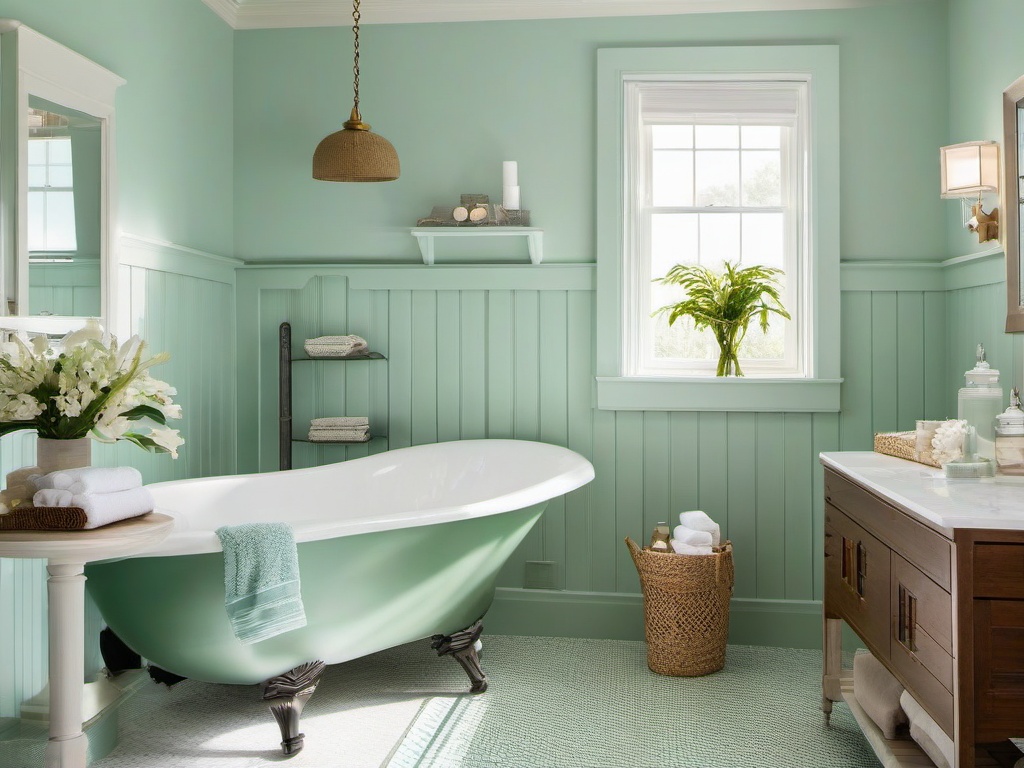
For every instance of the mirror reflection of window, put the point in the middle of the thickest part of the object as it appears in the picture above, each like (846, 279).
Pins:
(51, 195)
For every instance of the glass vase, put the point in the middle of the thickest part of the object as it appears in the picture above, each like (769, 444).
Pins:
(54, 455)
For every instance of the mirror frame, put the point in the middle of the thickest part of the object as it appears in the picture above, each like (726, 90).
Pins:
(1010, 223)
(31, 63)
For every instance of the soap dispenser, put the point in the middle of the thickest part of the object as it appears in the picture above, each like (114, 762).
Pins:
(1010, 438)
(980, 402)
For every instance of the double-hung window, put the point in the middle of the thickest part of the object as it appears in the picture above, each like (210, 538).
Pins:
(706, 156)
(716, 173)
(51, 193)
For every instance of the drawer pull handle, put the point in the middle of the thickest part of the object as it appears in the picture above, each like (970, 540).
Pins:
(862, 567)
(907, 630)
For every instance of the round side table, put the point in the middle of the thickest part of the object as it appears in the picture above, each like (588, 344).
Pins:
(66, 553)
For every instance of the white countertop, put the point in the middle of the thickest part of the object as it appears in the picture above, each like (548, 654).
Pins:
(925, 492)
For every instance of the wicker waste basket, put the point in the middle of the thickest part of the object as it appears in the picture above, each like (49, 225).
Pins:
(686, 609)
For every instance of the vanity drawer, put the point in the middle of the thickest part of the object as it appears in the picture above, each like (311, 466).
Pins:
(930, 551)
(921, 622)
(857, 578)
(999, 570)
(999, 668)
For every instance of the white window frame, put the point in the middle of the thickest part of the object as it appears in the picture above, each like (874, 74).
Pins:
(638, 326)
(817, 390)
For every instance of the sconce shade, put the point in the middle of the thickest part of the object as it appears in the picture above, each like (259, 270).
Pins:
(355, 154)
(969, 169)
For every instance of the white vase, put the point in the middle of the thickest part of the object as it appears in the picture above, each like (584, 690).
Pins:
(53, 455)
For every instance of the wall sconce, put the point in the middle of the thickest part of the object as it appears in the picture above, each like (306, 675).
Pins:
(968, 170)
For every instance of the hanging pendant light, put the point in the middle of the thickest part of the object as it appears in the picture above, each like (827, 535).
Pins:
(354, 153)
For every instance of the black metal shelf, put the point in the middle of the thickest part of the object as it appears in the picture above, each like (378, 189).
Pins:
(285, 428)
(373, 439)
(339, 358)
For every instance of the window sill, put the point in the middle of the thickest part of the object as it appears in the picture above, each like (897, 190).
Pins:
(711, 393)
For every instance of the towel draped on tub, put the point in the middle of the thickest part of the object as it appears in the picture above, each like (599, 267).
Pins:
(261, 580)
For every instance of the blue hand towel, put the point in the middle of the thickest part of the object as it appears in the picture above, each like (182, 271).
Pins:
(261, 580)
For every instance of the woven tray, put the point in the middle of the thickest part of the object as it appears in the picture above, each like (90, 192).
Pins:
(44, 519)
(904, 445)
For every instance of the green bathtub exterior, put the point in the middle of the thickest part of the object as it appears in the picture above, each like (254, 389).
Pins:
(362, 593)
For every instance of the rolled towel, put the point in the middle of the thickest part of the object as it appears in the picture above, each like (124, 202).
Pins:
(927, 733)
(682, 548)
(878, 693)
(690, 536)
(91, 480)
(329, 422)
(699, 521)
(105, 508)
(52, 497)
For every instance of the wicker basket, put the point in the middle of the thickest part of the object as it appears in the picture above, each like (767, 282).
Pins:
(686, 609)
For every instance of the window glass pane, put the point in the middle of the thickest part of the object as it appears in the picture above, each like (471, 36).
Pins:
(672, 136)
(718, 177)
(60, 151)
(36, 221)
(37, 175)
(60, 221)
(672, 177)
(682, 341)
(761, 136)
(673, 241)
(763, 239)
(60, 176)
(37, 152)
(719, 239)
(764, 346)
(762, 178)
(717, 136)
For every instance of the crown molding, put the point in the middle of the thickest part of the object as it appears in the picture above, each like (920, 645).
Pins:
(271, 14)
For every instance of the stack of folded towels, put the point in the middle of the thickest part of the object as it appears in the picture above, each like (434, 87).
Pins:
(335, 346)
(105, 494)
(696, 534)
(333, 429)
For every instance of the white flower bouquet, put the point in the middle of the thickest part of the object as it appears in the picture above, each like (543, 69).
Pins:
(89, 386)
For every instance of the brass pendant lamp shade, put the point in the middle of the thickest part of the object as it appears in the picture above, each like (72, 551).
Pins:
(354, 153)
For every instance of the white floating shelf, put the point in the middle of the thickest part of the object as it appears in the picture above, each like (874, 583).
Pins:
(425, 237)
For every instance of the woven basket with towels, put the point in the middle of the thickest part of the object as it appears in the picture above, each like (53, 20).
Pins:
(686, 609)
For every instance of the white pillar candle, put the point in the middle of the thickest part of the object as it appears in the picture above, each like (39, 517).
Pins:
(510, 198)
(509, 173)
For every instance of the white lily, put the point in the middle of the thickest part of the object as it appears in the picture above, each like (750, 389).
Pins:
(168, 439)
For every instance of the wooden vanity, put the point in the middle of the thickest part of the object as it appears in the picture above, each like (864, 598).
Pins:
(930, 575)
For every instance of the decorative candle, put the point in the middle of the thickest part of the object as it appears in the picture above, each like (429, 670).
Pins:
(509, 173)
(510, 198)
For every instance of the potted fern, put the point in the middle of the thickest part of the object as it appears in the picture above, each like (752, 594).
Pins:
(725, 302)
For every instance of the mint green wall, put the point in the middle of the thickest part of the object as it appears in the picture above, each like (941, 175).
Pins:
(174, 124)
(457, 99)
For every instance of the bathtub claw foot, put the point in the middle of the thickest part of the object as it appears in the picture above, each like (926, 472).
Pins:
(462, 645)
(287, 694)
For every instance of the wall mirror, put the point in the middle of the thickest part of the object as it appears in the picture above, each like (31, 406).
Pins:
(57, 184)
(1013, 191)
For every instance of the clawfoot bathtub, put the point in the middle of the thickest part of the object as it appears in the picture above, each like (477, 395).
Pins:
(392, 548)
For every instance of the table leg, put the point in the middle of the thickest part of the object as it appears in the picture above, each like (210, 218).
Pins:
(65, 589)
(832, 660)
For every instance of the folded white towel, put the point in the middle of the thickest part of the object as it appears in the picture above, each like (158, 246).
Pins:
(878, 693)
(350, 339)
(338, 435)
(52, 497)
(100, 508)
(328, 422)
(688, 549)
(91, 480)
(926, 732)
(699, 521)
(689, 536)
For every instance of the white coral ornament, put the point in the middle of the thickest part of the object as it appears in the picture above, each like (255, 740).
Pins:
(948, 442)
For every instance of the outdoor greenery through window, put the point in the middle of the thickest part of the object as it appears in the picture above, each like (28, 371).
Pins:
(718, 174)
